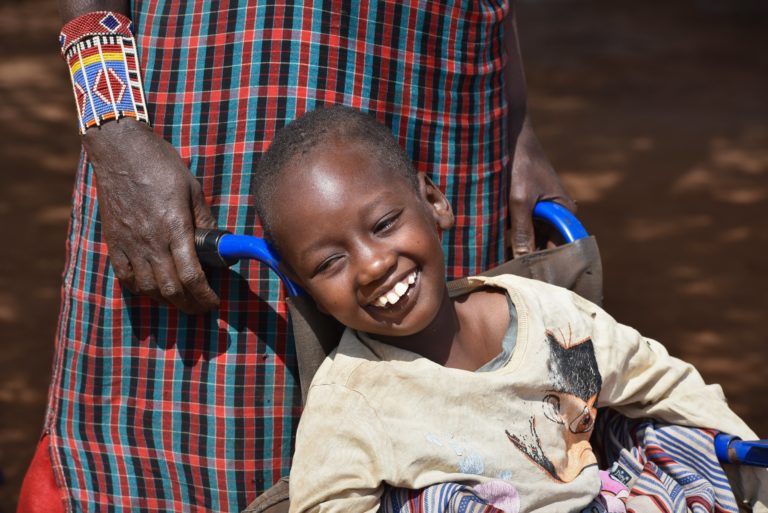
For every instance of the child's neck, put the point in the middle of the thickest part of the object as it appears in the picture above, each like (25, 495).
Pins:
(466, 333)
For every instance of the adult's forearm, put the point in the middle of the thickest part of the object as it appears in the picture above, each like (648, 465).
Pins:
(70, 9)
(515, 91)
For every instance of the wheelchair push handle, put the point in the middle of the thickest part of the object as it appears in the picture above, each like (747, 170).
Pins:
(221, 248)
(732, 449)
(561, 219)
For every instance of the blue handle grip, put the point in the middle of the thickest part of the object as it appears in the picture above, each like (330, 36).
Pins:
(232, 248)
(732, 449)
(562, 219)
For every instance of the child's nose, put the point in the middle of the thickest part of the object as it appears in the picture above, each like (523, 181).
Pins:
(375, 264)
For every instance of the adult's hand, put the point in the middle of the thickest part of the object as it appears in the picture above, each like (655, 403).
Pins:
(149, 205)
(533, 179)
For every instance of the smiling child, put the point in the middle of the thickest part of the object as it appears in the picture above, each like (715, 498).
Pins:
(497, 388)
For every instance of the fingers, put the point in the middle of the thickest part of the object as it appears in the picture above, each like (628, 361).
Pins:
(564, 200)
(123, 268)
(145, 283)
(200, 209)
(200, 296)
(169, 273)
(522, 237)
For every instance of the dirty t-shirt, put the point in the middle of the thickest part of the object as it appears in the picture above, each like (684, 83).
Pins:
(377, 414)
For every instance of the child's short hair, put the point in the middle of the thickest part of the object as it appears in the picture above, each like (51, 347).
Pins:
(301, 136)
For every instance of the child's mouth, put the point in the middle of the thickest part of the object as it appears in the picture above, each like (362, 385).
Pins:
(394, 295)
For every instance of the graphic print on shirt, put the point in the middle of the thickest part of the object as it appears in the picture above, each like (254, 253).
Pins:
(569, 404)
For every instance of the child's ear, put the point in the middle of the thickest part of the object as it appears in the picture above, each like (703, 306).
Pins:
(439, 206)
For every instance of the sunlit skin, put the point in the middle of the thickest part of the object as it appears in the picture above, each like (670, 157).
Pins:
(370, 229)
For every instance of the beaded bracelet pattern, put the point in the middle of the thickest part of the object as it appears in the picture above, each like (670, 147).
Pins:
(104, 66)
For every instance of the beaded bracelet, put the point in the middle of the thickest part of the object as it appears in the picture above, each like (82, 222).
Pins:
(104, 66)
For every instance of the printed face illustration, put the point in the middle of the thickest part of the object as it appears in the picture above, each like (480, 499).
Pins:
(569, 408)
(577, 418)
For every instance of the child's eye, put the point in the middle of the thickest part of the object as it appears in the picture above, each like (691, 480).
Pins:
(387, 222)
(326, 264)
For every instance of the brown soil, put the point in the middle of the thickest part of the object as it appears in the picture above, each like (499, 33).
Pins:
(654, 113)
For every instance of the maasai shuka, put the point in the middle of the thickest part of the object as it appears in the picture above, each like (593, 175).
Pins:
(154, 410)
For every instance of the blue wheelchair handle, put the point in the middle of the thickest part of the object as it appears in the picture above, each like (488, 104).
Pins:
(220, 248)
(561, 219)
(732, 449)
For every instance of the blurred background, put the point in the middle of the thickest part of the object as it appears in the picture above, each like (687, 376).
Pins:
(655, 113)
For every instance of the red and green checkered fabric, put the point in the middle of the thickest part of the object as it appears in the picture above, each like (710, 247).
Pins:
(153, 410)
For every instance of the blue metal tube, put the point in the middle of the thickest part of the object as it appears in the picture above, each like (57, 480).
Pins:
(732, 449)
(235, 247)
(562, 219)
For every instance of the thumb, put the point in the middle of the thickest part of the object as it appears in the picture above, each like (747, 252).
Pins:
(200, 209)
(522, 237)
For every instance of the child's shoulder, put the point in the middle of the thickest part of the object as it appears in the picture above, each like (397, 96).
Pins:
(537, 300)
(357, 358)
(535, 292)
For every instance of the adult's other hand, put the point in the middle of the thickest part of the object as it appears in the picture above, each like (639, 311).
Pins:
(533, 179)
(149, 205)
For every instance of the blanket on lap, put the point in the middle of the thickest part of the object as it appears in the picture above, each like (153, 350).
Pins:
(650, 467)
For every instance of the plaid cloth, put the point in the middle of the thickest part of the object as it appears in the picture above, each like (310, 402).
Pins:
(667, 468)
(153, 410)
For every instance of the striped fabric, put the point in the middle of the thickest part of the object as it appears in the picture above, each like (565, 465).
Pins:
(653, 468)
(153, 410)
(439, 498)
(668, 469)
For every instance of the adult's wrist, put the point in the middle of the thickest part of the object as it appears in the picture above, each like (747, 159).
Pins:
(117, 141)
(114, 132)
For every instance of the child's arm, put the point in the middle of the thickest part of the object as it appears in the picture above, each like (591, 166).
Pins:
(641, 379)
(342, 454)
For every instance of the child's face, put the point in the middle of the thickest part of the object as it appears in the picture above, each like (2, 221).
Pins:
(361, 241)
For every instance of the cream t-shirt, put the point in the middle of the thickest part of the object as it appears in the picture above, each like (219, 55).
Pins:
(377, 414)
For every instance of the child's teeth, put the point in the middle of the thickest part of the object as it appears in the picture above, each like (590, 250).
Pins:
(398, 291)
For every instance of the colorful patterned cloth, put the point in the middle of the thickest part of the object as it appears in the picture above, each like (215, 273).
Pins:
(101, 53)
(439, 498)
(653, 468)
(668, 469)
(153, 410)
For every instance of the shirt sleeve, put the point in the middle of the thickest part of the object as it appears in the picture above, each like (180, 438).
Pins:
(342, 454)
(641, 379)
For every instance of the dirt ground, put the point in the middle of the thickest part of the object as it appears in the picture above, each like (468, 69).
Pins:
(655, 114)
